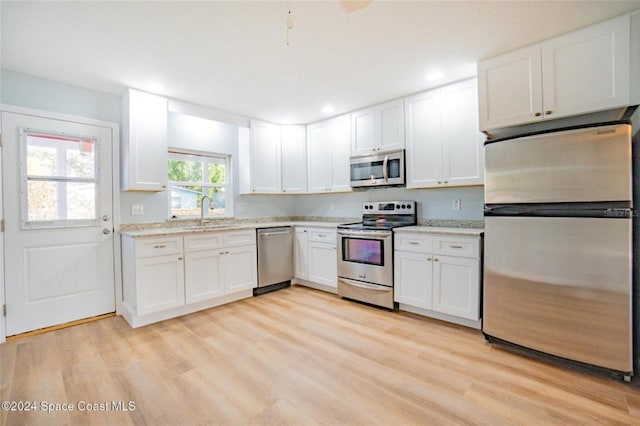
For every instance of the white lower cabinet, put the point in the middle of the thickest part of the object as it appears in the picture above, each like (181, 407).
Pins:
(456, 286)
(164, 277)
(323, 267)
(301, 254)
(439, 275)
(316, 256)
(202, 270)
(413, 279)
(239, 267)
(160, 282)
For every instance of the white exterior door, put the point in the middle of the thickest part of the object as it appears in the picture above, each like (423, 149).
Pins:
(59, 264)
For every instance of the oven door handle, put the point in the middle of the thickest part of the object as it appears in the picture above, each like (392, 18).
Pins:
(365, 286)
(375, 234)
(385, 172)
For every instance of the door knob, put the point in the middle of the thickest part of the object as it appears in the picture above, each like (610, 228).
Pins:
(106, 231)
(106, 218)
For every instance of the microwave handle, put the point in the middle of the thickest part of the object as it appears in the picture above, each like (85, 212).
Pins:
(385, 172)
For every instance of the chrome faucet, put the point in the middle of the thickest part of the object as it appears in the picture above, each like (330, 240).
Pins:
(202, 209)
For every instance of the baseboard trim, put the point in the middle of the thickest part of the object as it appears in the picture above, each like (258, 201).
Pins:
(60, 326)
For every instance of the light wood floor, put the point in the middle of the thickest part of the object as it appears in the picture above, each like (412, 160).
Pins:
(299, 356)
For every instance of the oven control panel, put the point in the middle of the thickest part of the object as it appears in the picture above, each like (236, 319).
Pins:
(389, 207)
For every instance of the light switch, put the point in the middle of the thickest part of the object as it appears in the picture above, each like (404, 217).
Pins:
(457, 204)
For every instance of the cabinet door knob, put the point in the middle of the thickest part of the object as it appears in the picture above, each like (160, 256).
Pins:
(179, 258)
(538, 114)
(446, 181)
(439, 182)
(429, 259)
(436, 260)
(548, 112)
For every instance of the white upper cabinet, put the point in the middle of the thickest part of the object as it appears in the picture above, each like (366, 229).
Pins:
(144, 165)
(587, 70)
(462, 142)
(265, 158)
(510, 88)
(339, 138)
(424, 140)
(363, 132)
(379, 128)
(328, 155)
(294, 159)
(583, 71)
(319, 159)
(444, 146)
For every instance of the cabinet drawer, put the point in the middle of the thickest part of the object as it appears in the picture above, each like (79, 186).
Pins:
(457, 246)
(419, 243)
(239, 238)
(203, 241)
(147, 247)
(322, 235)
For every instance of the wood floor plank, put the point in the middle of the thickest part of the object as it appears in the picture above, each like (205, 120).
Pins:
(304, 357)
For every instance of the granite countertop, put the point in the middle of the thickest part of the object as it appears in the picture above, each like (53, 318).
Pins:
(442, 230)
(188, 226)
(139, 231)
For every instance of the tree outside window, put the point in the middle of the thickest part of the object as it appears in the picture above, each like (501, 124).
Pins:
(192, 176)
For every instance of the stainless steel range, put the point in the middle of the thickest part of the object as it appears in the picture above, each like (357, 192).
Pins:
(365, 252)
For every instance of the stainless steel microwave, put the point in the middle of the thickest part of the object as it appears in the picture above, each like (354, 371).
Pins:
(382, 169)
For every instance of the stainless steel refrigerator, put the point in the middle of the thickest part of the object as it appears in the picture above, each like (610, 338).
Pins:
(558, 244)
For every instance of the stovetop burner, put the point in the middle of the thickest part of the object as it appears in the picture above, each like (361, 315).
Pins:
(385, 215)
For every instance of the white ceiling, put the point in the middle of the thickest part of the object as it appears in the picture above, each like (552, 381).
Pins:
(232, 55)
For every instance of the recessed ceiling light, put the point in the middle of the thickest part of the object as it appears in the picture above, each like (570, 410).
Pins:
(435, 76)
(328, 109)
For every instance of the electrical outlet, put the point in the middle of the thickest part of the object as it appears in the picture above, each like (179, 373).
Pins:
(137, 209)
(457, 204)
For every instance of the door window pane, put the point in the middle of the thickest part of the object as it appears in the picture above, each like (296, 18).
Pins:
(60, 178)
(42, 201)
(59, 156)
(81, 200)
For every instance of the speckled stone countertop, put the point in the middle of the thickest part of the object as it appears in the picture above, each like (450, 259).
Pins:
(186, 226)
(455, 227)
(474, 232)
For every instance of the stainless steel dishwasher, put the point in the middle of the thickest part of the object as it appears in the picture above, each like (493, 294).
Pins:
(275, 259)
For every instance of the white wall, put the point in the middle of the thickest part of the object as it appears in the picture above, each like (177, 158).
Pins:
(201, 128)
(190, 126)
(433, 204)
(48, 95)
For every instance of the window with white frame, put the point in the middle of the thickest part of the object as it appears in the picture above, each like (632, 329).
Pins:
(59, 182)
(192, 177)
